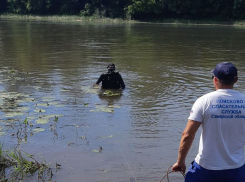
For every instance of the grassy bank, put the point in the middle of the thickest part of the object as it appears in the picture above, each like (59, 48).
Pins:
(69, 18)
(63, 18)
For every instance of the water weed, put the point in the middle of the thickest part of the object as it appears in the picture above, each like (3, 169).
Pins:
(20, 165)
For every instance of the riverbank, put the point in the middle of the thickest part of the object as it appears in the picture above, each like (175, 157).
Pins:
(64, 18)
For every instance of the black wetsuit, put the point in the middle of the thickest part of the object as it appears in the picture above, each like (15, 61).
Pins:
(111, 80)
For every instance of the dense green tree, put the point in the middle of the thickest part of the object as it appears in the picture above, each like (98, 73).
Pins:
(17, 6)
(239, 9)
(107, 8)
(3, 6)
(137, 9)
(36, 6)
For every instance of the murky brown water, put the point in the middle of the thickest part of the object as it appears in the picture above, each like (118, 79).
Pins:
(165, 68)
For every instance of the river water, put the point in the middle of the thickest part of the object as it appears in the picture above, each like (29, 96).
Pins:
(47, 70)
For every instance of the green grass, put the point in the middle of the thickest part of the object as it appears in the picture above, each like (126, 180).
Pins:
(97, 18)
(204, 22)
(64, 18)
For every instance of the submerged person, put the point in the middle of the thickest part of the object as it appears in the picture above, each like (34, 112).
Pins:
(112, 79)
(221, 114)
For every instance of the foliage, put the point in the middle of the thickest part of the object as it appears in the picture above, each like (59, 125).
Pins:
(137, 9)
(3, 5)
(23, 166)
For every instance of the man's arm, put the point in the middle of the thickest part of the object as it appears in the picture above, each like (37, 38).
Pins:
(99, 80)
(187, 138)
(121, 82)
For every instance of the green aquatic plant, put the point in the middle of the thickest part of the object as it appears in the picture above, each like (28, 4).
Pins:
(46, 118)
(104, 108)
(39, 110)
(25, 122)
(37, 130)
(13, 114)
(56, 118)
(43, 104)
(24, 165)
(1, 132)
(110, 93)
(12, 71)
(88, 89)
(110, 136)
(98, 151)
(48, 98)
(42, 120)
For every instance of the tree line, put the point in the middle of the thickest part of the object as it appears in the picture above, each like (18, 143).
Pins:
(131, 9)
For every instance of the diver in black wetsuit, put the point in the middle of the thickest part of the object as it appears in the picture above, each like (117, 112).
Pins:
(111, 79)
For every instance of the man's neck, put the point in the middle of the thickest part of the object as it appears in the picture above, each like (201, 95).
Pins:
(224, 87)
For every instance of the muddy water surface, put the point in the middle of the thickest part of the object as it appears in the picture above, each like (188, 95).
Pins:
(47, 72)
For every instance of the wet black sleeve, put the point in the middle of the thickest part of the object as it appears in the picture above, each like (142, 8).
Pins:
(121, 82)
(100, 79)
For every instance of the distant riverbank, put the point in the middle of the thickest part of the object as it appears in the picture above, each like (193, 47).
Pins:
(117, 20)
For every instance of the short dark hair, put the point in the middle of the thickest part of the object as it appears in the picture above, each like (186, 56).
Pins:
(227, 82)
(111, 65)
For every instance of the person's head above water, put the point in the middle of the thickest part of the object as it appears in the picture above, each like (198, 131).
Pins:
(111, 67)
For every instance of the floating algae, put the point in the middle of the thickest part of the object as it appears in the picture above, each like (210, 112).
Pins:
(43, 104)
(37, 130)
(39, 110)
(60, 105)
(1, 132)
(110, 93)
(29, 99)
(103, 109)
(37, 87)
(88, 89)
(11, 95)
(95, 151)
(48, 98)
(13, 114)
(110, 136)
(22, 109)
(98, 151)
(55, 104)
(112, 106)
(46, 118)
(42, 121)
(53, 116)
(31, 117)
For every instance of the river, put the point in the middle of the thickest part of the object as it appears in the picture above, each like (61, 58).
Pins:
(48, 71)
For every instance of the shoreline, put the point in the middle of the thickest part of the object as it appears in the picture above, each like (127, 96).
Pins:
(76, 18)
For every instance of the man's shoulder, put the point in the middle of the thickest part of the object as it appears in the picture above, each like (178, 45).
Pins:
(216, 94)
(103, 74)
(116, 73)
(207, 95)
